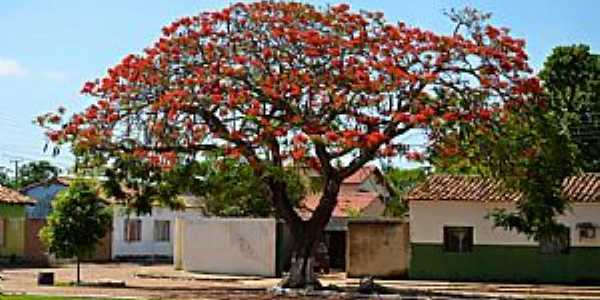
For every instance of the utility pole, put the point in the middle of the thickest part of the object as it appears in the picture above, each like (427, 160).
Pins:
(16, 162)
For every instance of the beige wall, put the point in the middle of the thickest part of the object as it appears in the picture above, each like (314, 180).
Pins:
(374, 209)
(377, 248)
(226, 246)
(427, 219)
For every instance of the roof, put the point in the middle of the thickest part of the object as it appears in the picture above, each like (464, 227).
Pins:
(356, 201)
(55, 180)
(443, 187)
(361, 175)
(10, 196)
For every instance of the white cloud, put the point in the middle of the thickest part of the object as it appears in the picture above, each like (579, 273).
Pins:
(55, 75)
(9, 67)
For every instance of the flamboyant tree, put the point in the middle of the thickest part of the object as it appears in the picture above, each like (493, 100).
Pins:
(275, 82)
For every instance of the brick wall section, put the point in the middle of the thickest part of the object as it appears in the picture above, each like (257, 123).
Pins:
(35, 251)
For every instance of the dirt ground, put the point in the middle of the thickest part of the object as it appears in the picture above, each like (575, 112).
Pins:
(148, 282)
(163, 282)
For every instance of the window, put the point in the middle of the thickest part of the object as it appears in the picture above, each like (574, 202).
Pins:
(556, 243)
(3, 224)
(458, 239)
(162, 231)
(587, 231)
(133, 230)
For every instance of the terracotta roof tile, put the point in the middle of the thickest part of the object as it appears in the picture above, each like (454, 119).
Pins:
(346, 201)
(580, 188)
(10, 196)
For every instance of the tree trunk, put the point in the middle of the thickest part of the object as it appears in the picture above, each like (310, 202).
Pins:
(78, 271)
(301, 273)
(306, 237)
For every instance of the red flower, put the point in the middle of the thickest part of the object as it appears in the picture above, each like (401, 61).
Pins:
(298, 153)
(240, 59)
(428, 112)
(112, 117)
(374, 138)
(485, 114)
(53, 136)
(332, 136)
(216, 98)
(415, 155)
(492, 32)
(267, 53)
(300, 139)
(419, 118)
(402, 117)
(295, 90)
(450, 116)
(88, 87)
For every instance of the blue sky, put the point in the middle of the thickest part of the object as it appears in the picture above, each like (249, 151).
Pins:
(49, 48)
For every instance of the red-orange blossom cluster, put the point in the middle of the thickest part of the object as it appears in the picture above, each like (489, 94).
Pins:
(284, 80)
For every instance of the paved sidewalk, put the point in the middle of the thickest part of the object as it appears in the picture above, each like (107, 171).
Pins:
(163, 282)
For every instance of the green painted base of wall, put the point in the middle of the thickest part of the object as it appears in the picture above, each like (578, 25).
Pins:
(14, 240)
(506, 264)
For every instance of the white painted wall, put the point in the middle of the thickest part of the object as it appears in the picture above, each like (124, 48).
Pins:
(227, 246)
(147, 246)
(427, 219)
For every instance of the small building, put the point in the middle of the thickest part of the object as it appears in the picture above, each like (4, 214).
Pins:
(45, 193)
(363, 194)
(451, 238)
(148, 236)
(12, 223)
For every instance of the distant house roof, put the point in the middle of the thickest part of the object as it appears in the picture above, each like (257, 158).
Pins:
(56, 180)
(351, 199)
(361, 175)
(10, 196)
(346, 202)
(580, 188)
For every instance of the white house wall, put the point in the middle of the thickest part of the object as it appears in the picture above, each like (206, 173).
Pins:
(147, 246)
(427, 218)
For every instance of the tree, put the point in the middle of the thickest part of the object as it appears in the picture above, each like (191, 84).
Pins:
(32, 172)
(534, 152)
(401, 180)
(229, 188)
(36, 171)
(273, 82)
(571, 76)
(4, 177)
(76, 224)
(535, 161)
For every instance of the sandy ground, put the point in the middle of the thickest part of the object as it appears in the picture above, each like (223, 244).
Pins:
(25, 281)
(163, 282)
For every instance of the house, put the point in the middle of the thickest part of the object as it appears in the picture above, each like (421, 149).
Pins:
(12, 223)
(44, 193)
(148, 236)
(451, 238)
(363, 194)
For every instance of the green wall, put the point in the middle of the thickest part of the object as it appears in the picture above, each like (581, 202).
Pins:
(14, 243)
(505, 263)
